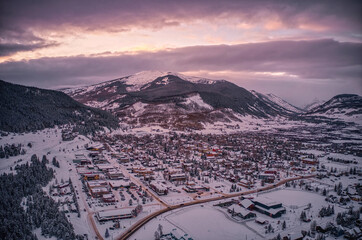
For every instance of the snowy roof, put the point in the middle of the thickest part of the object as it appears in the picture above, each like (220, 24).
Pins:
(116, 212)
(239, 210)
(110, 195)
(265, 201)
(246, 203)
(120, 183)
(158, 185)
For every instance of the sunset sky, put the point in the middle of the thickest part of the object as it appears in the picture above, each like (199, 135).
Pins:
(298, 50)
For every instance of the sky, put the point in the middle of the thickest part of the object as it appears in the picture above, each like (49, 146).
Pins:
(298, 50)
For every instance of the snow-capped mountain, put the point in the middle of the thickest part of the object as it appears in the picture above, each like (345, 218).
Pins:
(316, 102)
(168, 98)
(346, 107)
(278, 103)
(173, 100)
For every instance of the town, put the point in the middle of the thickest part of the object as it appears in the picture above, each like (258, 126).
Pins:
(273, 185)
(128, 177)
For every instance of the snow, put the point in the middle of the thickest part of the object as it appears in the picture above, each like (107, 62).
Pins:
(283, 103)
(137, 81)
(199, 223)
(196, 100)
(277, 100)
(315, 103)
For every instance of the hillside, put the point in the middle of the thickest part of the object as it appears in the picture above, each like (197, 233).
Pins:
(174, 100)
(28, 108)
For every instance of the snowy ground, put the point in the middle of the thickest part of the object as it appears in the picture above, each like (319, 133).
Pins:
(209, 222)
(199, 223)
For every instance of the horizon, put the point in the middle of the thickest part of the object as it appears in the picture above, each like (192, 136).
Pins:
(298, 51)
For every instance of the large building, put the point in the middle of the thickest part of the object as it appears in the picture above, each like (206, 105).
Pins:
(268, 207)
(159, 188)
(114, 214)
(81, 159)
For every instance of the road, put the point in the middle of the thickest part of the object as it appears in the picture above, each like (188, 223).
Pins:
(90, 213)
(145, 220)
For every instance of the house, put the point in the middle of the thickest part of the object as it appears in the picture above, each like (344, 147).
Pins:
(261, 220)
(245, 183)
(354, 233)
(294, 236)
(241, 212)
(226, 203)
(175, 235)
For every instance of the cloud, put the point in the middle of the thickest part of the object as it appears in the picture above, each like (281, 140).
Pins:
(120, 15)
(299, 69)
(318, 59)
(14, 40)
(8, 49)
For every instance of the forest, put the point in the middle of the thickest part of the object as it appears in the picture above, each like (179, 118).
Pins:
(25, 207)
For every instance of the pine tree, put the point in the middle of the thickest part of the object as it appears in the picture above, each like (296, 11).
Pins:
(160, 229)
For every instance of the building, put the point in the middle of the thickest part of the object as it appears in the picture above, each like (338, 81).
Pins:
(159, 188)
(120, 184)
(99, 191)
(268, 207)
(114, 214)
(114, 175)
(105, 167)
(246, 184)
(226, 203)
(108, 198)
(241, 212)
(178, 177)
(91, 176)
(98, 188)
(196, 188)
(310, 161)
(267, 177)
(81, 159)
(247, 203)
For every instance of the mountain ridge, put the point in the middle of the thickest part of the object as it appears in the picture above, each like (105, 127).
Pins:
(29, 108)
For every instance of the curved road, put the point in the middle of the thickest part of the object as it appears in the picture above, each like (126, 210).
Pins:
(145, 220)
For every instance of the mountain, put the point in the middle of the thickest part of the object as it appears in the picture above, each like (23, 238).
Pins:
(346, 107)
(28, 108)
(316, 102)
(278, 103)
(172, 99)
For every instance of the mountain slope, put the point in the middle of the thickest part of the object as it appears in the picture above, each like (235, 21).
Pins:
(28, 108)
(174, 100)
(277, 103)
(316, 102)
(159, 87)
(346, 107)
